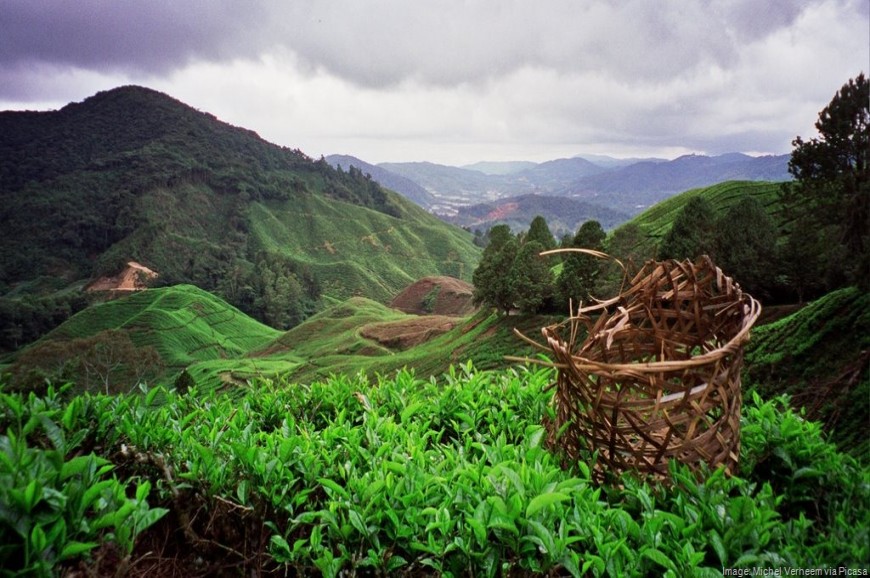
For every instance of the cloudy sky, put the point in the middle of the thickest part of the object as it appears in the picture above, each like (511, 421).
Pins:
(456, 81)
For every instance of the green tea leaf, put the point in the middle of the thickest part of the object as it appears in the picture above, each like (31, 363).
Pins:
(659, 558)
(357, 522)
(718, 547)
(395, 562)
(75, 466)
(32, 495)
(333, 487)
(75, 549)
(54, 433)
(280, 545)
(538, 503)
(38, 541)
(142, 490)
(147, 519)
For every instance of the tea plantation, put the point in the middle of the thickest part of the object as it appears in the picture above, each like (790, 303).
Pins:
(449, 476)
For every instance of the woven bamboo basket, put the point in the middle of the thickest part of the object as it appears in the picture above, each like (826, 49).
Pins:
(657, 376)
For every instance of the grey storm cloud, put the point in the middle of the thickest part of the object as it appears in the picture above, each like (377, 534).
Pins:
(109, 34)
(518, 76)
(384, 42)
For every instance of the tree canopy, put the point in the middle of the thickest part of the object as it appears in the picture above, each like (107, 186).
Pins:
(491, 278)
(831, 186)
(745, 246)
(692, 232)
(530, 278)
(512, 274)
(539, 231)
(580, 271)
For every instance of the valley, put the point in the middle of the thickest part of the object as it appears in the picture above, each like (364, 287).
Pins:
(611, 191)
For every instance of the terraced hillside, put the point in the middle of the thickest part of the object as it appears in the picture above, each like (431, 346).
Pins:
(820, 356)
(217, 345)
(359, 251)
(359, 335)
(181, 324)
(657, 220)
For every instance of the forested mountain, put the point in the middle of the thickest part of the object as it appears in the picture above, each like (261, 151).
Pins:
(552, 175)
(499, 167)
(134, 174)
(454, 187)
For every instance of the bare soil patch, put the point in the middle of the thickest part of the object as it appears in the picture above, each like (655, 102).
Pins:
(407, 333)
(134, 277)
(437, 296)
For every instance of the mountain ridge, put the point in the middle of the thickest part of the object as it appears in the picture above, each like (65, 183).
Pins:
(624, 185)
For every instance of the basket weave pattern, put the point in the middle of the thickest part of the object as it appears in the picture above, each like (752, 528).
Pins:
(658, 375)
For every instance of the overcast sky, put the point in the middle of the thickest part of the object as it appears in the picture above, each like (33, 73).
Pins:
(456, 81)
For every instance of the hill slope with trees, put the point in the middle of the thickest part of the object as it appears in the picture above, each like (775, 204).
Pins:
(134, 174)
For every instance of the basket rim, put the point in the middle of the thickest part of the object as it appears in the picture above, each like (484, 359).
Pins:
(751, 306)
(659, 366)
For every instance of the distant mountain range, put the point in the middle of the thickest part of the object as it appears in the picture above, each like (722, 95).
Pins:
(626, 186)
(643, 184)
(393, 181)
(500, 167)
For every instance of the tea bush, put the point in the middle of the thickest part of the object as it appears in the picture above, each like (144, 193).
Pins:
(57, 503)
(453, 477)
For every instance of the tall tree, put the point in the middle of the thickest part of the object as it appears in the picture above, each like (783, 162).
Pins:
(498, 236)
(807, 261)
(745, 246)
(580, 272)
(539, 231)
(692, 233)
(530, 278)
(491, 278)
(832, 177)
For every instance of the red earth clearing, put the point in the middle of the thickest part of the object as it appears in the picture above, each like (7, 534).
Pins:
(134, 277)
(436, 296)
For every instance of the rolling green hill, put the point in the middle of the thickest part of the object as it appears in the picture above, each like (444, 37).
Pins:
(185, 324)
(656, 220)
(361, 335)
(177, 326)
(217, 344)
(359, 251)
(131, 173)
